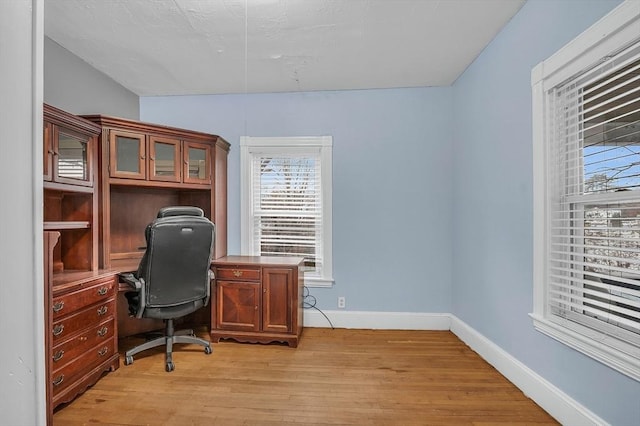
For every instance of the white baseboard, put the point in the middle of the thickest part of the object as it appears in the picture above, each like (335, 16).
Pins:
(557, 403)
(378, 320)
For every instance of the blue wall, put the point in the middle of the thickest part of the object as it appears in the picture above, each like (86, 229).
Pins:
(493, 239)
(392, 182)
(433, 193)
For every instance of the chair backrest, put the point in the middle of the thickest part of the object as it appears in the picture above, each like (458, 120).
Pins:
(176, 264)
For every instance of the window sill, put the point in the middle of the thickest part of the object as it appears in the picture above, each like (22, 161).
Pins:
(585, 342)
(317, 282)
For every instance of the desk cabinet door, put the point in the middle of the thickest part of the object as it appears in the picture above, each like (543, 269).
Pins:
(127, 155)
(197, 163)
(277, 286)
(238, 306)
(164, 159)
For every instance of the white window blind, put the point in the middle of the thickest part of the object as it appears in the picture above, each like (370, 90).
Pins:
(286, 201)
(287, 207)
(586, 124)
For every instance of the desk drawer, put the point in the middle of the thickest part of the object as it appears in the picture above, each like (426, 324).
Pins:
(240, 273)
(93, 292)
(70, 372)
(70, 325)
(71, 349)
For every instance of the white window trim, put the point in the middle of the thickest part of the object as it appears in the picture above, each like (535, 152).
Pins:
(619, 28)
(250, 145)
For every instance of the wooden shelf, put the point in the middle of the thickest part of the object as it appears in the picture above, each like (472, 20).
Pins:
(62, 225)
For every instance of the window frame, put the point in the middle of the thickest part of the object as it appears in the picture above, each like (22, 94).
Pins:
(250, 146)
(618, 29)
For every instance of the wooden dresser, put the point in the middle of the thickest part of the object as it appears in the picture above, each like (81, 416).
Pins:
(257, 299)
(84, 336)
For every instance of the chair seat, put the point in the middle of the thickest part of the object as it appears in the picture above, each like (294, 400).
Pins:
(173, 312)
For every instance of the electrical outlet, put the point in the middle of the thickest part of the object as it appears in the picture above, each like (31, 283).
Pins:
(341, 302)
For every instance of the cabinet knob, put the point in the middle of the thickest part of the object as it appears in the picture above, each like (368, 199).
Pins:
(58, 355)
(58, 329)
(102, 291)
(103, 310)
(103, 331)
(57, 307)
(103, 351)
(237, 273)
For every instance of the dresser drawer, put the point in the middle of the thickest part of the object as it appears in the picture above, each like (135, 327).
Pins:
(239, 273)
(93, 292)
(74, 369)
(70, 349)
(71, 324)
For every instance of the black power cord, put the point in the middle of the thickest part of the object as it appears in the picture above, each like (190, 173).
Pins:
(309, 301)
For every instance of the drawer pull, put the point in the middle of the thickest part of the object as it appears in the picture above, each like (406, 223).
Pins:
(237, 273)
(57, 307)
(103, 310)
(58, 380)
(58, 329)
(102, 291)
(58, 355)
(103, 331)
(103, 351)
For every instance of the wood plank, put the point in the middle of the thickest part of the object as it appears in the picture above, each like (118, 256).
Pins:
(373, 377)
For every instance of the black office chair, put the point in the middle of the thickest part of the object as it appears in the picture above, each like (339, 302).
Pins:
(174, 275)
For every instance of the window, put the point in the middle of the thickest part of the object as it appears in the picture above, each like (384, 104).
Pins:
(587, 193)
(286, 201)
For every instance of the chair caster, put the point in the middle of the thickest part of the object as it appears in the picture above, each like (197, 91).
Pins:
(208, 350)
(128, 360)
(169, 367)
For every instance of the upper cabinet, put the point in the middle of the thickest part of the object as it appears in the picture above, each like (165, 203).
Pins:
(158, 157)
(69, 148)
(144, 167)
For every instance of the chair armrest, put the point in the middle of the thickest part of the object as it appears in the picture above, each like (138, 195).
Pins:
(137, 285)
(129, 278)
(212, 276)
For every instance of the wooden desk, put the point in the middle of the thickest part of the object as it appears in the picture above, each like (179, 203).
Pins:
(257, 299)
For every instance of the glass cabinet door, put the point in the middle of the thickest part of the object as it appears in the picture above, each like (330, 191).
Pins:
(197, 163)
(47, 167)
(71, 157)
(127, 155)
(164, 159)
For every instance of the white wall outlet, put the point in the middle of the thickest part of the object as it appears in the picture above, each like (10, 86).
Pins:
(341, 302)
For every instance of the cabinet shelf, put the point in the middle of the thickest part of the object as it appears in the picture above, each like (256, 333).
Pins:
(62, 225)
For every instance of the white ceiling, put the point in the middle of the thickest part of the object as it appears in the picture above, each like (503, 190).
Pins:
(178, 47)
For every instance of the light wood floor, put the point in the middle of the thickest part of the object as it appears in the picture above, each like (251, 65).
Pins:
(348, 377)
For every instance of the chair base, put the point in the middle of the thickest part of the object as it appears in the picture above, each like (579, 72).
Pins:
(170, 337)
